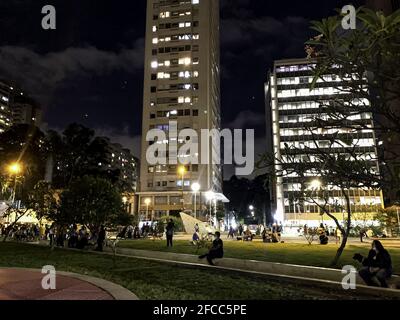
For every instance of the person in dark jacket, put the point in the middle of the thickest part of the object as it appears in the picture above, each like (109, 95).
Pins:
(101, 238)
(217, 250)
(377, 267)
(170, 232)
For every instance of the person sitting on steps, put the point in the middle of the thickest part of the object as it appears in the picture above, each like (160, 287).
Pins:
(377, 267)
(217, 250)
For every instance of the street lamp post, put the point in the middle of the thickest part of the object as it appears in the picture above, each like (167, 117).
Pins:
(195, 188)
(182, 172)
(398, 218)
(14, 170)
(210, 197)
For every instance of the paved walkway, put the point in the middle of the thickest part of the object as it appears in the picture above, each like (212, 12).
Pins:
(26, 284)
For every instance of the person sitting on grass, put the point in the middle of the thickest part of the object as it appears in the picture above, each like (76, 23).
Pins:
(216, 251)
(377, 267)
(248, 236)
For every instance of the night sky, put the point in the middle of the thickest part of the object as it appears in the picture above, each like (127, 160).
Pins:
(90, 70)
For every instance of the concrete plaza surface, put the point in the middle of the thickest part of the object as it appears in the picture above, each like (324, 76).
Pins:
(26, 284)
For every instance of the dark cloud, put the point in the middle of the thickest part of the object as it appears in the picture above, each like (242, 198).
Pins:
(123, 137)
(42, 74)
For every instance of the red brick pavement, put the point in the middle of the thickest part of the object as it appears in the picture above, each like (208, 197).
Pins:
(20, 284)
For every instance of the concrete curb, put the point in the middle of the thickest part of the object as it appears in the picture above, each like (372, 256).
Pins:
(307, 275)
(116, 291)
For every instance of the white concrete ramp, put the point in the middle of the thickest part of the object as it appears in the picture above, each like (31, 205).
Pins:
(189, 222)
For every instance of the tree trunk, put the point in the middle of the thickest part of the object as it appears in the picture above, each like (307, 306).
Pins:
(346, 232)
(340, 251)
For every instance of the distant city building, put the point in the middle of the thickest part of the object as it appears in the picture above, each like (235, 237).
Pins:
(26, 111)
(289, 106)
(16, 107)
(6, 96)
(182, 84)
(124, 164)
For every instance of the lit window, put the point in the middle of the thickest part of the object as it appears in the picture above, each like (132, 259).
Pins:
(185, 61)
(188, 24)
(155, 40)
(154, 28)
(181, 99)
(154, 64)
(187, 86)
(167, 63)
(188, 100)
(195, 74)
(164, 15)
(195, 1)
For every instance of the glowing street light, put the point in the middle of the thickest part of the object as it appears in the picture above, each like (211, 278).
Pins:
(14, 169)
(251, 207)
(315, 184)
(195, 188)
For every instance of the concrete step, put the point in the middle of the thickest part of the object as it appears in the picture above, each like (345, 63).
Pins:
(269, 268)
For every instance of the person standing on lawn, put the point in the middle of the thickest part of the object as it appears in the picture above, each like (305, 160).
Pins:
(170, 232)
(101, 238)
(217, 250)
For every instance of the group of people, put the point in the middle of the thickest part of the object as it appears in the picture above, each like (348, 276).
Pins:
(77, 238)
(270, 233)
(23, 232)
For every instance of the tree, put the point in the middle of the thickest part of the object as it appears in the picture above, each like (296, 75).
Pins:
(243, 192)
(389, 219)
(75, 153)
(93, 202)
(366, 61)
(21, 144)
(41, 200)
(369, 59)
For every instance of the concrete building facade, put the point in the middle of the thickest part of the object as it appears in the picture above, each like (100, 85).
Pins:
(290, 104)
(181, 84)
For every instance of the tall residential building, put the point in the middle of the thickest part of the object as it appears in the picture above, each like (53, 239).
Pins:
(290, 105)
(6, 96)
(16, 107)
(181, 83)
(26, 111)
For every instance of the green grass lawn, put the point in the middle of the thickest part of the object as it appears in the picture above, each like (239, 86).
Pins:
(153, 280)
(292, 253)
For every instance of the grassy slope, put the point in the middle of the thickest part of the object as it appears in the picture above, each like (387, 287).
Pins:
(151, 280)
(293, 253)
